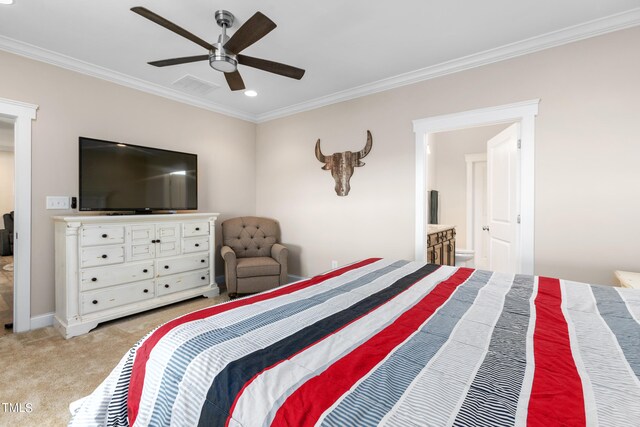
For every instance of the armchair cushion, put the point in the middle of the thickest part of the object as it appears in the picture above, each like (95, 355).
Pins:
(258, 266)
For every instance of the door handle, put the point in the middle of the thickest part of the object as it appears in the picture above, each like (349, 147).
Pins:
(485, 228)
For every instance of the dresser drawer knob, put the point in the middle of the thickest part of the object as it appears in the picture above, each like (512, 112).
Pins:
(153, 241)
(145, 271)
(94, 279)
(203, 277)
(104, 236)
(197, 228)
(95, 301)
(166, 286)
(197, 245)
(202, 260)
(166, 267)
(157, 240)
(146, 291)
(104, 256)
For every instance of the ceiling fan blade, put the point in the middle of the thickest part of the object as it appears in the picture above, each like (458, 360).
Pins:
(234, 80)
(250, 32)
(151, 16)
(271, 66)
(176, 61)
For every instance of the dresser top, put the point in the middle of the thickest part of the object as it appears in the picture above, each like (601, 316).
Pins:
(436, 228)
(89, 218)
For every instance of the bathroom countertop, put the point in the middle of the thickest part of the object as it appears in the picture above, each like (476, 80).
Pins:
(436, 228)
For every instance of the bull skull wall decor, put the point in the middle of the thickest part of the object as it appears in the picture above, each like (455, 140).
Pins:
(341, 164)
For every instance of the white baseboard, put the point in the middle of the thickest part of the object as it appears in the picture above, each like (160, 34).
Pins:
(42, 321)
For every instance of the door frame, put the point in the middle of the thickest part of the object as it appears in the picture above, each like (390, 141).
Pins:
(523, 112)
(22, 114)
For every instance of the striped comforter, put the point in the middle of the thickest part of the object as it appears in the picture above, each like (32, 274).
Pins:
(384, 342)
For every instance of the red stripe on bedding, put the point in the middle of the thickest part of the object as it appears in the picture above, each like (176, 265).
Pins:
(556, 394)
(142, 354)
(314, 397)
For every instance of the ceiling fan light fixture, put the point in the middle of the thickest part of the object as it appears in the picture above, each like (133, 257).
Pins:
(6, 1)
(222, 62)
(250, 93)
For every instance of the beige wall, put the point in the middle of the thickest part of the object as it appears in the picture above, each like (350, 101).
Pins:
(451, 172)
(72, 105)
(587, 178)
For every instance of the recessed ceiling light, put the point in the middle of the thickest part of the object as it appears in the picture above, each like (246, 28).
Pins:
(251, 93)
(6, 1)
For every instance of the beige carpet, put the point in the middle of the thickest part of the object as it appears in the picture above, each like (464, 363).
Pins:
(42, 369)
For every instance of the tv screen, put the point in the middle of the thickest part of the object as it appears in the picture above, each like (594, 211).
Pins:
(125, 177)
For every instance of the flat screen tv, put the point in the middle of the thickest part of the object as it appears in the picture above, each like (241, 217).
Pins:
(124, 177)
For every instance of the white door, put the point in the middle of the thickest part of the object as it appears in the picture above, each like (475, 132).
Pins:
(502, 200)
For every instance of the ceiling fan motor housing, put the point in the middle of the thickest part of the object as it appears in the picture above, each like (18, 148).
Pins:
(220, 61)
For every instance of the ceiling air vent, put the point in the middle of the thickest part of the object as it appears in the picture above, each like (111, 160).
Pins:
(194, 85)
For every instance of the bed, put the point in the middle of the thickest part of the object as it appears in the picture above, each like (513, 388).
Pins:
(388, 342)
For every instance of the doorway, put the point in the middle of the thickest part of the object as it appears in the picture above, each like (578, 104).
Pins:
(21, 114)
(457, 163)
(522, 113)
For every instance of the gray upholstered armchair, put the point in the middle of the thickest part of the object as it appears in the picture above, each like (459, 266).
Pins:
(254, 260)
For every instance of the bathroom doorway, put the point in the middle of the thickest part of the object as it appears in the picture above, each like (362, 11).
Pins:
(523, 208)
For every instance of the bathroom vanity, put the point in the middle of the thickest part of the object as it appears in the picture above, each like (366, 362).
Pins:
(441, 244)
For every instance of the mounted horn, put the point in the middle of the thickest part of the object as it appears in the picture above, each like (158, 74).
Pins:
(367, 147)
(319, 155)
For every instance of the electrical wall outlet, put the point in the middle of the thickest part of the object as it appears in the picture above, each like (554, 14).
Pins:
(334, 264)
(57, 202)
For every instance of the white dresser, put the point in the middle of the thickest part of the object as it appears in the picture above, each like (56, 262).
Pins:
(112, 266)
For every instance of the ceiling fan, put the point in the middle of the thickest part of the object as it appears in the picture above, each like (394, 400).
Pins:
(225, 55)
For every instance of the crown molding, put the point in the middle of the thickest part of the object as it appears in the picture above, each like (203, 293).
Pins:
(33, 52)
(578, 32)
(567, 35)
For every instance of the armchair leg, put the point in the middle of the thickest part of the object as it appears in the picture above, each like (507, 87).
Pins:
(233, 296)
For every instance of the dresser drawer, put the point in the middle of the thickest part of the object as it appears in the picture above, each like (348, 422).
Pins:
(181, 282)
(101, 235)
(191, 229)
(100, 277)
(195, 244)
(116, 296)
(101, 255)
(169, 266)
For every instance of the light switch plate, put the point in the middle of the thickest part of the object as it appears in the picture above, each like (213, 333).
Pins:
(57, 202)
